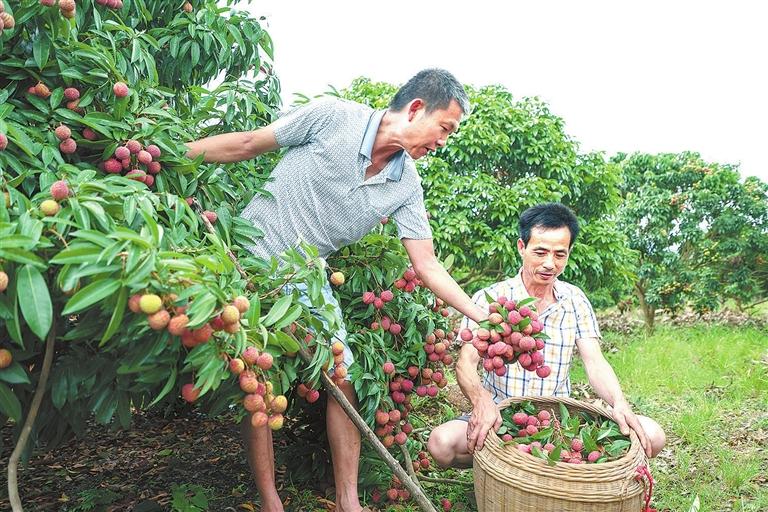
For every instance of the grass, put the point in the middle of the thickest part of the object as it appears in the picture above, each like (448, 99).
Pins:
(708, 388)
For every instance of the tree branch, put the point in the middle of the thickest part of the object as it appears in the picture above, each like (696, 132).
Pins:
(37, 399)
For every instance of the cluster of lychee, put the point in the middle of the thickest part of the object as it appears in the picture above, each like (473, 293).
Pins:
(67, 7)
(439, 307)
(408, 282)
(266, 409)
(395, 493)
(7, 21)
(393, 427)
(67, 145)
(130, 158)
(59, 192)
(571, 450)
(514, 334)
(159, 317)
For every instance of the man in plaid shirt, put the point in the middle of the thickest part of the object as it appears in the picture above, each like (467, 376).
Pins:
(547, 234)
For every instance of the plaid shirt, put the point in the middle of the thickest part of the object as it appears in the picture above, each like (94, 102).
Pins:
(568, 319)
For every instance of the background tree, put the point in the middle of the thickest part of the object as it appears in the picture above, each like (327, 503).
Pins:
(698, 230)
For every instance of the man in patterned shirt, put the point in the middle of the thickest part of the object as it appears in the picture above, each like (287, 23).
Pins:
(547, 234)
(346, 167)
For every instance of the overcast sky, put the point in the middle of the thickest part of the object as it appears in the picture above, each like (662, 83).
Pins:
(646, 76)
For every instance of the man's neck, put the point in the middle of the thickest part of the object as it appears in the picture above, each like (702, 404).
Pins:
(387, 141)
(544, 294)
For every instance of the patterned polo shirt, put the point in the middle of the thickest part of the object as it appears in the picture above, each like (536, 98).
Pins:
(568, 319)
(319, 191)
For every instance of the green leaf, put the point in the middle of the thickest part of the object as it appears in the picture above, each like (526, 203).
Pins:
(201, 310)
(117, 316)
(9, 404)
(91, 294)
(277, 311)
(169, 385)
(41, 49)
(34, 300)
(14, 374)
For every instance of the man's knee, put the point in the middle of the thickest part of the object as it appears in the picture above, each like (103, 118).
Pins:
(442, 445)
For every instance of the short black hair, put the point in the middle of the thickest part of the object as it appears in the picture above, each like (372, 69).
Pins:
(548, 216)
(437, 87)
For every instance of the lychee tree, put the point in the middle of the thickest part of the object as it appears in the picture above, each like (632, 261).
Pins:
(123, 282)
(117, 291)
(699, 231)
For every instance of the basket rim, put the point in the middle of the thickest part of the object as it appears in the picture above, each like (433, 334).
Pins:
(634, 440)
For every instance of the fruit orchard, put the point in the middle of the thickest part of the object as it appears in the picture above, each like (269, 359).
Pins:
(124, 284)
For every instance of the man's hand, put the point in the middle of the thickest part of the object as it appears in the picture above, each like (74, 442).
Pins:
(485, 416)
(626, 419)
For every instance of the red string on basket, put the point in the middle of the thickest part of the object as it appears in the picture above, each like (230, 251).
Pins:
(643, 473)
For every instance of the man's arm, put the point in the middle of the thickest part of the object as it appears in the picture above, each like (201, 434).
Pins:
(234, 146)
(437, 279)
(485, 413)
(603, 379)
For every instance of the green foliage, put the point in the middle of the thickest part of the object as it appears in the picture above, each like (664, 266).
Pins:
(509, 155)
(698, 230)
(72, 274)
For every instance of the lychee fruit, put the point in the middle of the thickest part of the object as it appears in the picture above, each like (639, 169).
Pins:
(144, 157)
(211, 216)
(275, 422)
(3, 142)
(230, 314)
(3, 281)
(154, 151)
(236, 366)
(259, 419)
(63, 132)
(133, 146)
(178, 325)
(189, 392)
(41, 89)
(59, 190)
(241, 303)
(6, 358)
(254, 403)
(264, 361)
(279, 404)
(49, 207)
(150, 303)
(68, 146)
(337, 279)
(388, 367)
(120, 89)
(387, 295)
(159, 321)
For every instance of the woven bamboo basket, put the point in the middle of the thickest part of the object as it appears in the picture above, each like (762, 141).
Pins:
(507, 479)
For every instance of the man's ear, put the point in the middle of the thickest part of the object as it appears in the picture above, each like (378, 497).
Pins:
(520, 247)
(413, 107)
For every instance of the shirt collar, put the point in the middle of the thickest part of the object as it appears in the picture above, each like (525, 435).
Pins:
(396, 164)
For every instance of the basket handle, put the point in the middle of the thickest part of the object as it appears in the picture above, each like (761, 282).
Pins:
(644, 473)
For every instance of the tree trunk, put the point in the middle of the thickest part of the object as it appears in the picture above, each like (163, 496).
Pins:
(649, 311)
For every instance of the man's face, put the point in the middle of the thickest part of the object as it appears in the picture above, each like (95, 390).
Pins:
(545, 256)
(427, 132)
